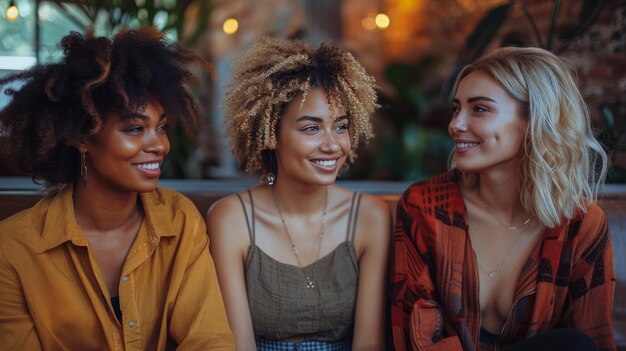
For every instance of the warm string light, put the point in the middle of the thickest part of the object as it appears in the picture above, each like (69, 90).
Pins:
(230, 26)
(369, 23)
(12, 12)
(382, 21)
(376, 21)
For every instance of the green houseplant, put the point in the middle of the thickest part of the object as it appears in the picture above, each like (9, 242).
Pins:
(490, 26)
(419, 113)
(417, 145)
(558, 37)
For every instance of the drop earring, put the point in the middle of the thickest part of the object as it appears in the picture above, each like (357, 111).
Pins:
(271, 177)
(269, 160)
(83, 169)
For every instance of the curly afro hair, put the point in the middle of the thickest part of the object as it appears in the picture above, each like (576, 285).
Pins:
(271, 74)
(61, 103)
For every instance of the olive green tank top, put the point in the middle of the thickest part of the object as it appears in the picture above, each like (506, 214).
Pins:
(283, 308)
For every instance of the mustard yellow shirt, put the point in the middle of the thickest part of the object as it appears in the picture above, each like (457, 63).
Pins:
(53, 295)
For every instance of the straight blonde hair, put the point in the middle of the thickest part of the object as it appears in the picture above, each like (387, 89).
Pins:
(564, 165)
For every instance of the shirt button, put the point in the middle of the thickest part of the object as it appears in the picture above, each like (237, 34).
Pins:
(131, 324)
(155, 240)
(124, 279)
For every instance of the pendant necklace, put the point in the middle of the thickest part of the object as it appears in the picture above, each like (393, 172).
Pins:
(309, 280)
(492, 273)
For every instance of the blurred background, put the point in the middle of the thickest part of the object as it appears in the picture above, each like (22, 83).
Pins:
(414, 48)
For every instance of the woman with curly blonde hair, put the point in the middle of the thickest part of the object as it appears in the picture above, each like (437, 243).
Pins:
(508, 250)
(301, 261)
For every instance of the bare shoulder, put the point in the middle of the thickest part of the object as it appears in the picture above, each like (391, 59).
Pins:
(369, 204)
(226, 221)
(373, 222)
(373, 207)
(225, 207)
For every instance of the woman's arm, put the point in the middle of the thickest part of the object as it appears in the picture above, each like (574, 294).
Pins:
(373, 236)
(229, 246)
(198, 320)
(592, 282)
(17, 330)
(416, 318)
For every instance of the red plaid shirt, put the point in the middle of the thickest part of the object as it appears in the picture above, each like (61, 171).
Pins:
(567, 281)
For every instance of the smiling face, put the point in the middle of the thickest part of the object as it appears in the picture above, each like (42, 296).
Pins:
(313, 142)
(487, 127)
(127, 153)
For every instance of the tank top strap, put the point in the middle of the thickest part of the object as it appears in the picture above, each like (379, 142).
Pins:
(352, 218)
(249, 221)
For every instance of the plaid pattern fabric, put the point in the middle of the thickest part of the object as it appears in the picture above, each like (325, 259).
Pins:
(567, 281)
(277, 345)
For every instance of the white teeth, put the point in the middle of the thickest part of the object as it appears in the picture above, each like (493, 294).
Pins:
(150, 166)
(328, 163)
(464, 145)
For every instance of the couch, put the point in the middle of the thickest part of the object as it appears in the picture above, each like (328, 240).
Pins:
(20, 193)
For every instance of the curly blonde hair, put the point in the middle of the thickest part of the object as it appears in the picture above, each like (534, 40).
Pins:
(564, 165)
(271, 74)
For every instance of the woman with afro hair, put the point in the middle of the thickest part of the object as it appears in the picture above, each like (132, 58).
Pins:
(107, 260)
(301, 261)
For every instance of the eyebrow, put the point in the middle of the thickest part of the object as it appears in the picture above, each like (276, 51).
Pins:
(475, 99)
(319, 119)
(136, 115)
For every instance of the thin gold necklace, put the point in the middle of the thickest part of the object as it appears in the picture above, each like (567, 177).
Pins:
(309, 280)
(511, 228)
(493, 272)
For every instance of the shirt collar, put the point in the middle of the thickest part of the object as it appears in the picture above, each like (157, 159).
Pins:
(157, 216)
(60, 223)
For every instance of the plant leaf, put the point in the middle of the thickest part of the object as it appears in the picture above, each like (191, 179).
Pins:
(533, 24)
(478, 41)
(484, 33)
(608, 117)
(589, 12)
(554, 17)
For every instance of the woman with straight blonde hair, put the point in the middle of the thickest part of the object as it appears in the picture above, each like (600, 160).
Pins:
(508, 250)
